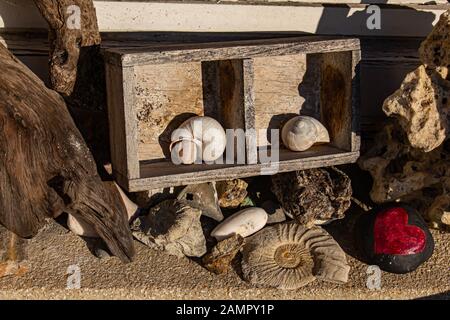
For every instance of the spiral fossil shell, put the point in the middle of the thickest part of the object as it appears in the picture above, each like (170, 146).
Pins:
(302, 132)
(289, 256)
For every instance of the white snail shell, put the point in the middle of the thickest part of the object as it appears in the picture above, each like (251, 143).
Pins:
(198, 137)
(302, 132)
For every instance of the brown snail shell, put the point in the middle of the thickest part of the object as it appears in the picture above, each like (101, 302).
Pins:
(289, 256)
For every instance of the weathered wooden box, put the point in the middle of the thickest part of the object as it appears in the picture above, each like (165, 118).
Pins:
(254, 84)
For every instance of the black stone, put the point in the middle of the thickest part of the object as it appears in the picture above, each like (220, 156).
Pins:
(394, 263)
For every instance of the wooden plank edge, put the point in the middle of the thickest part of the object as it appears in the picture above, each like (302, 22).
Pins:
(231, 50)
(142, 184)
(356, 101)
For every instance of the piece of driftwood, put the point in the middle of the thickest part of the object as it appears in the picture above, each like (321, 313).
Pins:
(77, 70)
(13, 254)
(73, 24)
(45, 166)
(245, 85)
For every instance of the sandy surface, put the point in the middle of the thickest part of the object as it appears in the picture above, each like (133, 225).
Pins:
(155, 275)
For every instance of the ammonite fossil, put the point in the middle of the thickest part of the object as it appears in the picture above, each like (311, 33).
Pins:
(289, 256)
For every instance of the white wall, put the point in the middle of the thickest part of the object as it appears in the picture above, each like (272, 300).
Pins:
(384, 62)
(412, 21)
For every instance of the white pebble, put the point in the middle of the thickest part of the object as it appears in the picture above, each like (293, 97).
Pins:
(245, 223)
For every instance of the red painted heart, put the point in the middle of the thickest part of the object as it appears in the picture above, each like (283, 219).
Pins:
(393, 235)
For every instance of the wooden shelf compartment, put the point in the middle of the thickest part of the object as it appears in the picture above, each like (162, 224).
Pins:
(250, 84)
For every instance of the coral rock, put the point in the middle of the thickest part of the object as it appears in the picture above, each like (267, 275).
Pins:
(313, 196)
(422, 108)
(435, 50)
(172, 226)
(438, 214)
(231, 192)
(398, 169)
(219, 260)
(409, 161)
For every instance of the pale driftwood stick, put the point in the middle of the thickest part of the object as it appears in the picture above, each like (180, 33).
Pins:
(46, 167)
(12, 254)
(70, 29)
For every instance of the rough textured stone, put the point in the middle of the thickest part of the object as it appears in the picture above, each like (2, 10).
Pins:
(422, 107)
(411, 156)
(219, 260)
(398, 169)
(438, 213)
(231, 192)
(435, 50)
(403, 173)
(313, 196)
(172, 226)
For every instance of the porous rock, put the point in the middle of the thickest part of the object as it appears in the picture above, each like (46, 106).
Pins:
(231, 192)
(422, 107)
(410, 157)
(398, 169)
(435, 49)
(313, 196)
(220, 257)
(172, 226)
